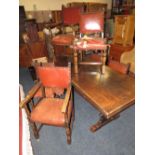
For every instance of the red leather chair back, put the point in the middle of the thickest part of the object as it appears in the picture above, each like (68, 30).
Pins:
(71, 15)
(54, 76)
(91, 22)
(119, 67)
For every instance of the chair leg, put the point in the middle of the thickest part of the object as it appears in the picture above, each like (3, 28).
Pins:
(75, 55)
(68, 134)
(35, 130)
(73, 113)
(72, 120)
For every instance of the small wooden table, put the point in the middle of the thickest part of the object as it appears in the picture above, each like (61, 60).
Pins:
(110, 93)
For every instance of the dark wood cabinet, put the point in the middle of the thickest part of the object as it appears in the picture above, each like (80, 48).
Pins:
(90, 6)
(122, 7)
(31, 29)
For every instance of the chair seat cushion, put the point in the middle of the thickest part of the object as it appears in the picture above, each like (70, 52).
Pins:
(91, 44)
(48, 111)
(63, 39)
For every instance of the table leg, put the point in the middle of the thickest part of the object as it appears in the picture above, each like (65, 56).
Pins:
(101, 122)
(103, 63)
(75, 61)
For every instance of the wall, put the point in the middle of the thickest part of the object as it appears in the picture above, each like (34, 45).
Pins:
(32, 5)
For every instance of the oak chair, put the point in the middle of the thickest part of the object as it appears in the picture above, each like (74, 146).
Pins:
(70, 17)
(52, 110)
(91, 39)
(119, 67)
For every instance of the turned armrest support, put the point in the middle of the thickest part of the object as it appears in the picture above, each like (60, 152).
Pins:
(30, 94)
(66, 100)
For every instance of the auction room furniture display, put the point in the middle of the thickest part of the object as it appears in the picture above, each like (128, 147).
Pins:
(91, 39)
(51, 110)
(123, 35)
(110, 93)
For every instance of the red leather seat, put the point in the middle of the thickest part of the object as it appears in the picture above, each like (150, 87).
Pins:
(63, 39)
(91, 44)
(48, 111)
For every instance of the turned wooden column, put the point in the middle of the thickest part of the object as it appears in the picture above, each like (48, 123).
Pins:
(103, 61)
(75, 53)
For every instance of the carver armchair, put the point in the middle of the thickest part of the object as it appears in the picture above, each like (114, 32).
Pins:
(55, 110)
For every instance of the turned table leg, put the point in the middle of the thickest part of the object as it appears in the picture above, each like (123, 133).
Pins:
(75, 61)
(101, 122)
(103, 61)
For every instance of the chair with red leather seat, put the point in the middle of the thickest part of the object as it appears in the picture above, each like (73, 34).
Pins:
(91, 39)
(51, 110)
(119, 67)
(70, 17)
(113, 64)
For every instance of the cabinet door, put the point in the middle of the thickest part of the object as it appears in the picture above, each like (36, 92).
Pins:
(124, 30)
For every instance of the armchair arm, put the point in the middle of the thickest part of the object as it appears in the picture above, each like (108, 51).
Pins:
(66, 100)
(30, 94)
